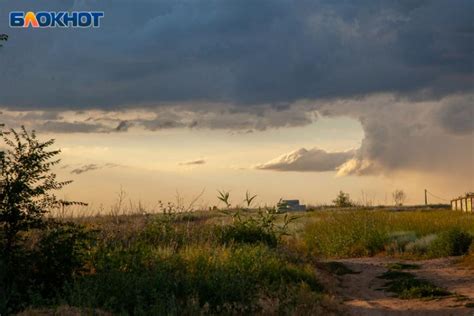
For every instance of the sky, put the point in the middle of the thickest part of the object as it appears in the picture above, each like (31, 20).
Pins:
(291, 99)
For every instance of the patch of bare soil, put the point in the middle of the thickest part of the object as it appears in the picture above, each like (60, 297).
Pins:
(362, 293)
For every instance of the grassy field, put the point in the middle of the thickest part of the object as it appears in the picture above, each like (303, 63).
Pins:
(409, 234)
(222, 263)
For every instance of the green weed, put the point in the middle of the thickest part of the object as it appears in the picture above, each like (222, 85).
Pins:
(402, 266)
(407, 286)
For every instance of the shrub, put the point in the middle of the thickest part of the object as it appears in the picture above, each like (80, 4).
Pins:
(420, 246)
(246, 232)
(27, 182)
(453, 242)
(38, 271)
(255, 229)
(343, 200)
(468, 260)
(61, 254)
(398, 242)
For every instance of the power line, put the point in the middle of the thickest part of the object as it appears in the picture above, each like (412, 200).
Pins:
(443, 199)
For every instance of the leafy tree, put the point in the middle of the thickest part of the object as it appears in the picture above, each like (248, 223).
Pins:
(26, 185)
(343, 200)
(30, 271)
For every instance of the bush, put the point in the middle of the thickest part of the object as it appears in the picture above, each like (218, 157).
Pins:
(343, 200)
(453, 242)
(61, 254)
(398, 242)
(36, 273)
(252, 230)
(420, 247)
(26, 185)
(246, 232)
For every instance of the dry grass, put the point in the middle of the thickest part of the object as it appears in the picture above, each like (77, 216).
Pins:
(355, 233)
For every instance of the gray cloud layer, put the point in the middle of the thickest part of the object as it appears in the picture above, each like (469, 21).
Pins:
(241, 52)
(205, 117)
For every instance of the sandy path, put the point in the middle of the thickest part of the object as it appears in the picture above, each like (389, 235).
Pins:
(362, 295)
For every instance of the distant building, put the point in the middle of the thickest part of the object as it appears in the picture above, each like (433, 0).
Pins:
(463, 203)
(290, 205)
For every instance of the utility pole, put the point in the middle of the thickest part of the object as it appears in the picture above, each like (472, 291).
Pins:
(426, 197)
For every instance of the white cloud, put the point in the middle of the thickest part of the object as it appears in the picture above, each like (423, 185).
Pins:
(315, 159)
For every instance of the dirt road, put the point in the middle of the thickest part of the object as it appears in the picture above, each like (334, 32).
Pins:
(362, 293)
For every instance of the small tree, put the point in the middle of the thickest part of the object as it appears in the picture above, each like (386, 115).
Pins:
(34, 270)
(399, 197)
(343, 200)
(26, 185)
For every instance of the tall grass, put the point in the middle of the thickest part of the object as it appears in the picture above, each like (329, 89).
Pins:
(213, 263)
(365, 233)
(186, 263)
(155, 281)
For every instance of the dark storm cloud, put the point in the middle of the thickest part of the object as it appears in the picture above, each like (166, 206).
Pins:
(241, 52)
(458, 117)
(70, 127)
(403, 69)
